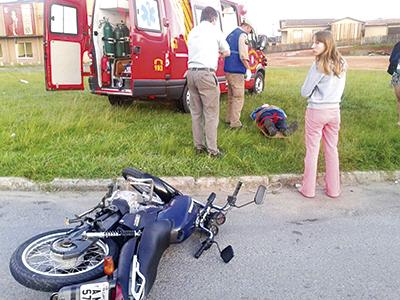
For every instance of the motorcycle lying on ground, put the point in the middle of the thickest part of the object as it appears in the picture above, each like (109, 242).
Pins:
(114, 251)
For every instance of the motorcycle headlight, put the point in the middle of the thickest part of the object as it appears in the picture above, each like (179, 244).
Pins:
(219, 218)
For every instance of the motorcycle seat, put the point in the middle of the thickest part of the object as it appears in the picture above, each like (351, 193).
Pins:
(165, 191)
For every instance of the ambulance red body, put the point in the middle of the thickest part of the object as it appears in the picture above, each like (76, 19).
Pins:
(149, 61)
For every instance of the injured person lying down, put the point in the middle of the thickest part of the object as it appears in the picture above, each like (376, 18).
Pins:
(272, 121)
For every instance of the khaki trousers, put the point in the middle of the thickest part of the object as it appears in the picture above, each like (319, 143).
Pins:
(235, 98)
(204, 108)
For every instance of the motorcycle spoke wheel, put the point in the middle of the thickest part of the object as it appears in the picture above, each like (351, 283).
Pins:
(36, 265)
(39, 258)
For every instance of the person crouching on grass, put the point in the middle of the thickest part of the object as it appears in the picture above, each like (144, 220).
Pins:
(323, 87)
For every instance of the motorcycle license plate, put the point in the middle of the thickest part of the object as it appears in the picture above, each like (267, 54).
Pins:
(94, 291)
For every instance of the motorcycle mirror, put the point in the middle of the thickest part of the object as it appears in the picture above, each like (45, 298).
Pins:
(227, 254)
(260, 195)
(262, 42)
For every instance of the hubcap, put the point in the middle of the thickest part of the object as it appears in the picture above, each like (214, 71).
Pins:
(259, 84)
(39, 258)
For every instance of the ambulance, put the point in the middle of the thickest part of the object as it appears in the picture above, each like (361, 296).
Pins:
(137, 49)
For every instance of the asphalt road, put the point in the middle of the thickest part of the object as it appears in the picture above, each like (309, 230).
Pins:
(289, 248)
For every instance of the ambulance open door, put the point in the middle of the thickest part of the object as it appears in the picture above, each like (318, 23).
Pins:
(66, 39)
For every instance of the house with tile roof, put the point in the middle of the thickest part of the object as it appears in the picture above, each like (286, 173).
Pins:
(21, 32)
(297, 31)
(302, 30)
(382, 27)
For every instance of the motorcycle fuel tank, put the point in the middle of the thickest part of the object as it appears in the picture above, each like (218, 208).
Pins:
(182, 211)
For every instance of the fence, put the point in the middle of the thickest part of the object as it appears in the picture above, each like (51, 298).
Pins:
(386, 40)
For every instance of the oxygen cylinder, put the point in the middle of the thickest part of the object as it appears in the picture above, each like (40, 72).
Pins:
(119, 40)
(126, 34)
(105, 71)
(121, 36)
(108, 38)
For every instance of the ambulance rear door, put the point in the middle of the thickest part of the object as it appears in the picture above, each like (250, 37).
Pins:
(66, 39)
(150, 56)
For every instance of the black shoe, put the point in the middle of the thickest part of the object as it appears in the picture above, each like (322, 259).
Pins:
(201, 150)
(292, 128)
(269, 127)
(218, 154)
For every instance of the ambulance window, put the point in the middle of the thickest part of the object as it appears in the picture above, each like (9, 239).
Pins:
(197, 15)
(63, 19)
(229, 18)
(148, 15)
(197, 12)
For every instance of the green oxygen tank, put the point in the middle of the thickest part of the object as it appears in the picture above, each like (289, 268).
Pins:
(108, 38)
(119, 40)
(126, 34)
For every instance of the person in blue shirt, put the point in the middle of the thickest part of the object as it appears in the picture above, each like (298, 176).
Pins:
(237, 70)
(272, 119)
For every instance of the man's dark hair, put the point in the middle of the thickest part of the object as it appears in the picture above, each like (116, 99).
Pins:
(209, 14)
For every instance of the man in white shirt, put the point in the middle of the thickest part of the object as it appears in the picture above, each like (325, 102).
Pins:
(205, 44)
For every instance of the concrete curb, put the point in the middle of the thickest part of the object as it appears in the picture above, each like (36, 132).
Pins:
(191, 183)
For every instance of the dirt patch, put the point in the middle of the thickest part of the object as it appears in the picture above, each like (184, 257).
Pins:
(304, 58)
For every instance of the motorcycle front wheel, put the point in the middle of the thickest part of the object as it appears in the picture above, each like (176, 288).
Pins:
(35, 266)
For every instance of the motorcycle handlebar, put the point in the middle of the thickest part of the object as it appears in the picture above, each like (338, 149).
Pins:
(237, 189)
(201, 250)
(211, 199)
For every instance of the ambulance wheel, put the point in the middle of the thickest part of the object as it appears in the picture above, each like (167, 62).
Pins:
(184, 101)
(259, 83)
(117, 100)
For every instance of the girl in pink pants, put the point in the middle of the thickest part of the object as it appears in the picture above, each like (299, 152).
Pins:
(323, 88)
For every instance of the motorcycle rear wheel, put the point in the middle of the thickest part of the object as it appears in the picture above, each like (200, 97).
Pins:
(35, 266)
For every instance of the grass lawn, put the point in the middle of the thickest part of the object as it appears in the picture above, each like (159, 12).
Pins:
(44, 135)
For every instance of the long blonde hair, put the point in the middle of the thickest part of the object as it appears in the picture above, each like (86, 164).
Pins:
(330, 60)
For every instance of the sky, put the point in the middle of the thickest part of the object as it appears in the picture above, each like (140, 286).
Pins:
(266, 14)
